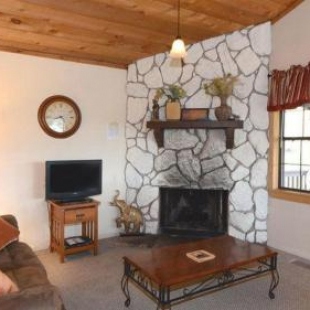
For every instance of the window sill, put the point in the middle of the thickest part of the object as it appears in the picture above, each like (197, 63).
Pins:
(290, 196)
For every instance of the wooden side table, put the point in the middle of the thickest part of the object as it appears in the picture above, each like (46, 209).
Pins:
(84, 214)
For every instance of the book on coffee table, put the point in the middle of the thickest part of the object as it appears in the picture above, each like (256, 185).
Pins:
(200, 256)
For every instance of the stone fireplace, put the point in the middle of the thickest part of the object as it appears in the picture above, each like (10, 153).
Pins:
(192, 212)
(198, 158)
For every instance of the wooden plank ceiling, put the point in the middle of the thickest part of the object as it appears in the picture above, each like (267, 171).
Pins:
(117, 32)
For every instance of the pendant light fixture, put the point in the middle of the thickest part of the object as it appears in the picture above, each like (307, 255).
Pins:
(178, 47)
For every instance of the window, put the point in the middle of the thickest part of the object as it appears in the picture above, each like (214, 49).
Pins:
(294, 151)
(289, 134)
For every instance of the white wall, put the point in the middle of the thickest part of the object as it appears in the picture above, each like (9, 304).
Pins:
(288, 223)
(290, 42)
(25, 81)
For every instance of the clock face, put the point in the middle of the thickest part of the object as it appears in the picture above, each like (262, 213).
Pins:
(59, 116)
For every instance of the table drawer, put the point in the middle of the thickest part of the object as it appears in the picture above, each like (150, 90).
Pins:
(81, 215)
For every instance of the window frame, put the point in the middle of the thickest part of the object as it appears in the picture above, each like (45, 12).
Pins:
(273, 163)
(282, 140)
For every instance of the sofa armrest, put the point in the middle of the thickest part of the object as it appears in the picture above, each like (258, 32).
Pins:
(44, 297)
(10, 219)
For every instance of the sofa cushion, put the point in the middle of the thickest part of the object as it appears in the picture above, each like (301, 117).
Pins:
(21, 264)
(45, 297)
(8, 233)
(16, 255)
(28, 276)
(22, 255)
(6, 285)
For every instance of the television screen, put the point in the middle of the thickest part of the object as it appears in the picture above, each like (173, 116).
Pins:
(70, 180)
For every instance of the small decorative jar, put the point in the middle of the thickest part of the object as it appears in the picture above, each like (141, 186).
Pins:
(223, 112)
(173, 110)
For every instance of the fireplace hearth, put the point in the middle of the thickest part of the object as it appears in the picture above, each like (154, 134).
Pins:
(196, 212)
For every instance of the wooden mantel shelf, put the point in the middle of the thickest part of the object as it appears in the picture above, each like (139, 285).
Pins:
(229, 127)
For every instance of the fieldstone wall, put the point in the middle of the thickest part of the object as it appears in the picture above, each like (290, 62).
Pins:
(199, 158)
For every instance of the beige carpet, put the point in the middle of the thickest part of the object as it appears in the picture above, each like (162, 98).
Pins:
(93, 282)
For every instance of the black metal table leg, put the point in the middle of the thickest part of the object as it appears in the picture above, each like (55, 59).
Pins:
(274, 277)
(163, 299)
(124, 284)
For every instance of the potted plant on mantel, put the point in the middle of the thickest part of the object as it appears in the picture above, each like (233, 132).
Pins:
(222, 87)
(173, 106)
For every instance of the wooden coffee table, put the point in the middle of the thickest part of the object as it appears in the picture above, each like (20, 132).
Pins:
(169, 277)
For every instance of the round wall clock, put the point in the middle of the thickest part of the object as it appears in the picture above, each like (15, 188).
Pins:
(59, 116)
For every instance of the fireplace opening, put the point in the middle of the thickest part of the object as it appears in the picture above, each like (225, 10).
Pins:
(197, 212)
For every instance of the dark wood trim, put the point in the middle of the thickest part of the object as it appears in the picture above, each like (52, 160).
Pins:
(229, 127)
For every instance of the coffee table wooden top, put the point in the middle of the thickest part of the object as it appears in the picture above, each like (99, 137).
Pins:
(169, 265)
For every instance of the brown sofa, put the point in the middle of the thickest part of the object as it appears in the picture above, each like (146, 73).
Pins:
(19, 262)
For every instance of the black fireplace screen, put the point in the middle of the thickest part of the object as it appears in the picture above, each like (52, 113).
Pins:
(193, 211)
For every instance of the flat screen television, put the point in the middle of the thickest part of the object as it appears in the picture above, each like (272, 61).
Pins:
(72, 180)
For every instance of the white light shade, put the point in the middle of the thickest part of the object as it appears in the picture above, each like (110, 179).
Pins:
(178, 49)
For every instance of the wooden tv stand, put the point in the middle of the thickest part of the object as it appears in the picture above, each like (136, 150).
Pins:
(83, 213)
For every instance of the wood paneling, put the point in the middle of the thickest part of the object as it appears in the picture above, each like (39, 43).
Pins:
(116, 33)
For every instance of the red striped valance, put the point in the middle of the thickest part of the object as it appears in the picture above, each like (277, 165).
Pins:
(289, 89)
